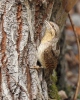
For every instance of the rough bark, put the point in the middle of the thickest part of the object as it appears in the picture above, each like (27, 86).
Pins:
(21, 30)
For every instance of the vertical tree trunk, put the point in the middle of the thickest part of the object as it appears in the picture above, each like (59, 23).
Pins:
(21, 30)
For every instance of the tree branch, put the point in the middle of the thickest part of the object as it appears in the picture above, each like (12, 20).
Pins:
(78, 83)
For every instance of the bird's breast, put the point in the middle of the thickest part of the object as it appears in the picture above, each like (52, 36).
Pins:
(40, 53)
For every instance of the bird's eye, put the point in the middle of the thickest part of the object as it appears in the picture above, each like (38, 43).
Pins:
(51, 33)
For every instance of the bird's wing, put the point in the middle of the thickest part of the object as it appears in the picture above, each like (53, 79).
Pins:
(50, 58)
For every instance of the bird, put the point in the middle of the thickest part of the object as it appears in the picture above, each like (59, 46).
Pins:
(47, 51)
(48, 54)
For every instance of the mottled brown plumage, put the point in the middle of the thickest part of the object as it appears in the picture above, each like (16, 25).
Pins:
(50, 59)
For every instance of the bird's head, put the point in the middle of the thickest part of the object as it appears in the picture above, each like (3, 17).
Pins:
(50, 32)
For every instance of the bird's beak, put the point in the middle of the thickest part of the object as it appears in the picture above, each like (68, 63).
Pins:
(48, 25)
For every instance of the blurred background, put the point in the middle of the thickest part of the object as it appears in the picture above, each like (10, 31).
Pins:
(69, 54)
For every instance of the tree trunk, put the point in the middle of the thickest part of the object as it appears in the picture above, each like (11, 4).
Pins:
(21, 30)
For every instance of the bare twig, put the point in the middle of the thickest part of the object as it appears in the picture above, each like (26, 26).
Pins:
(78, 83)
(36, 67)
